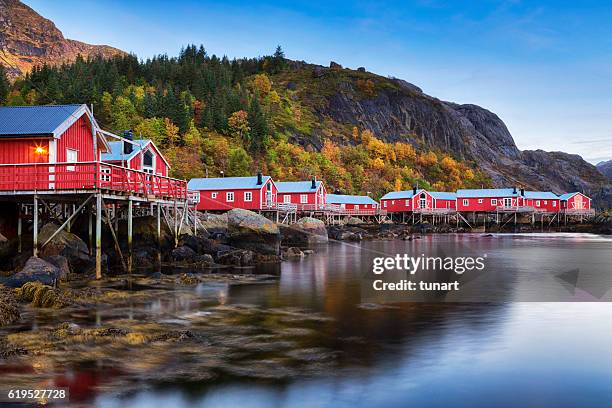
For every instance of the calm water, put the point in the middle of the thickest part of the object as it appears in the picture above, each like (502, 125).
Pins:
(509, 352)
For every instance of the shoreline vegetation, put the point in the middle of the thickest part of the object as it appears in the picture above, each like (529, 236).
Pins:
(56, 294)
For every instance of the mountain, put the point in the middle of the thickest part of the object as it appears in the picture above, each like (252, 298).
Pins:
(605, 167)
(396, 110)
(28, 39)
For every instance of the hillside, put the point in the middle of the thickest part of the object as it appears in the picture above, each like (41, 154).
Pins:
(27, 39)
(358, 131)
(605, 168)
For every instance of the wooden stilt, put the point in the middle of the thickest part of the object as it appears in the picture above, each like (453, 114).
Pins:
(99, 236)
(114, 235)
(35, 227)
(19, 228)
(90, 230)
(129, 237)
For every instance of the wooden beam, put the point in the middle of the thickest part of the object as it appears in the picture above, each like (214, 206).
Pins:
(99, 236)
(129, 226)
(35, 227)
(67, 222)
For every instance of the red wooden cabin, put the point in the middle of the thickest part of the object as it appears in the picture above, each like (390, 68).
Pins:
(139, 154)
(306, 195)
(576, 203)
(225, 193)
(490, 200)
(59, 147)
(349, 204)
(407, 201)
(444, 201)
(542, 201)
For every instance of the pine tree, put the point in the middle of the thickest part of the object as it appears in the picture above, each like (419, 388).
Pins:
(5, 86)
(258, 124)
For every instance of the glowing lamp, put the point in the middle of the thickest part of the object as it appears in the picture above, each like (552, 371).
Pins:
(40, 150)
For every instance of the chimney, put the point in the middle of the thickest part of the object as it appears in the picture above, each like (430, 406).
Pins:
(259, 178)
(127, 146)
(523, 192)
(414, 189)
(514, 190)
(313, 184)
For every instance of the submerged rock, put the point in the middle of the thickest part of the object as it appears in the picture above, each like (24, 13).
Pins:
(183, 254)
(35, 270)
(237, 257)
(293, 253)
(306, 231)
(248, 230)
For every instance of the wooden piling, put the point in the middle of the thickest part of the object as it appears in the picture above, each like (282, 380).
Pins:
(35, 227)
(99, 236)
(19, 228)
(129, 237)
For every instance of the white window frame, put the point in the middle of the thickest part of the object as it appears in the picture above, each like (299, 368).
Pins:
(422, 202)
(213, 194)
(505, 202)
(407, 203)
(303, 198)
(248, 196)
(537, 203)
(287, 198)
(554, 203)
(149, 169)
(229, 196)
(356, 206)
(385, 203)
(494, 201)
(480, 201)
(105, 173)
(466, 202)
(70, 159)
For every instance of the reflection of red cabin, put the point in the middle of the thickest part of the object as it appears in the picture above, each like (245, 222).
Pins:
(406, 201)
(48, 134)
(305, 194)
(224, 193)
(137, 155)
(575, 202)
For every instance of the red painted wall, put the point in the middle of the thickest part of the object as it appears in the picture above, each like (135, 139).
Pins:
(220, 203)
(548, 205)
(445, 204)
(23, 151)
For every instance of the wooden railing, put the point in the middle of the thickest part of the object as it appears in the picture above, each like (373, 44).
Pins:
(514, 208)
(87, 176)
(578, 211)
(435, 211)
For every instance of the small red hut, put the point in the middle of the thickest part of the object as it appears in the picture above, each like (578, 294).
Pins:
(307, 195)
(225, 193)
(139, 154)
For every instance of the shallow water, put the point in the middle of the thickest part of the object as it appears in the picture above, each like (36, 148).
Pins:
(513, 350)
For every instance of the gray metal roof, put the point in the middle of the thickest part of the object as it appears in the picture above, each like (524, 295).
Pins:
(488, 192)
(225, 183)
(399, 195)
(540, 195)
(348, 199)
(116, 153)
(296, 186)
(442, 195)
(37, 120)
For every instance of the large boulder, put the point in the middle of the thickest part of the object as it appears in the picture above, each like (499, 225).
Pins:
(306, 231)
(67, 245)
(183, 253)
(35, 270)
(213, 223)
(248, 230)
(144, 232)
(237, 257)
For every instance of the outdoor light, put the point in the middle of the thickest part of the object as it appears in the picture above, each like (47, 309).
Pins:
(40, 150)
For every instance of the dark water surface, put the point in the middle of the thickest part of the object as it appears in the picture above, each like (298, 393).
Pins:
(509, 352)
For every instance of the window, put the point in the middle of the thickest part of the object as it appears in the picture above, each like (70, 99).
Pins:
(480, 201)
(214, 195)
(545, 202)
(71, 157)
(229, 197)
(407, 203)
(248, 196)
(385, 203)
(422, 202)
(538, 203)
(148, 162)
(466, 202)
(303, 198)
(356, 206)
(105, 173)
(287, 198)
(393, 202)
(494, 201)
(554, 203)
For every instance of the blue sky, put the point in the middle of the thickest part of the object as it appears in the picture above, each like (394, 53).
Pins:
(545, 68)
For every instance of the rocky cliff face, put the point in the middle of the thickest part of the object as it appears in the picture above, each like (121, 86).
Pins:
(605, 168)
(27, 39)
(396, 110)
